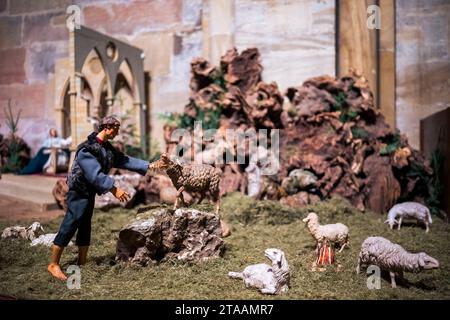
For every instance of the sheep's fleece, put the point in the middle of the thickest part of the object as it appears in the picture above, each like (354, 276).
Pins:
(333, 233)
(268, 279)
(393, 258)
(19, 232)
(406, 210)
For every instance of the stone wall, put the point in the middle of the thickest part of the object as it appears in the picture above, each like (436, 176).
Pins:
(422, 62)
(296, 39)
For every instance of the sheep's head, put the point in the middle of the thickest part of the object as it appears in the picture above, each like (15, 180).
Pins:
(163, 163)
(312, 216)
(36, 227)
(426, 262)
(391, 223)
(275, 255)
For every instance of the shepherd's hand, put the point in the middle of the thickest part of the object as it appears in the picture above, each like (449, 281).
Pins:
(120, 194)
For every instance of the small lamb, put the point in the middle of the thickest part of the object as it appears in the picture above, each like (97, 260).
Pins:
(29, 233)
(407, 210)
(337, 232)
(268, 279)
(200, 178)
(393, 258)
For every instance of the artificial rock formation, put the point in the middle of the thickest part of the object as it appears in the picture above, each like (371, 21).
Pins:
(185, 234)
(60, 193)
(107, 201)
(330, 129)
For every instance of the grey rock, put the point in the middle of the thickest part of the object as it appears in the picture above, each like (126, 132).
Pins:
(297, 180)
(187, 234)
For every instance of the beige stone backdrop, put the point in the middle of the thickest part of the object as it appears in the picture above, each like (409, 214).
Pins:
(422, 63)
(296, 39)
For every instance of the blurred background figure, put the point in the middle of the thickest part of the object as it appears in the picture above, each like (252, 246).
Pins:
(53, 155)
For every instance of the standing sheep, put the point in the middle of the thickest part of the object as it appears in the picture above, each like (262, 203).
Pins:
(337, 232)
(201, 178)
(268, 279)
(407, 210)
(393, 258)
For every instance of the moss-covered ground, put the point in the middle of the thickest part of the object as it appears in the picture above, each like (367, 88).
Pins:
(256, 225)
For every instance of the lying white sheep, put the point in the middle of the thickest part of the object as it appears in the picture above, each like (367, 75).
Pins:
(393, 258)
(268, 279)
(334, 233)
(29, 233)
(407, 210)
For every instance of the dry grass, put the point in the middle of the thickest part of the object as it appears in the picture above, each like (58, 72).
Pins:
(256, 226)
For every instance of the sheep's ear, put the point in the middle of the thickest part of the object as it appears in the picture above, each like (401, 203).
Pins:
(421, 260)
(387, 221)
(279, 260)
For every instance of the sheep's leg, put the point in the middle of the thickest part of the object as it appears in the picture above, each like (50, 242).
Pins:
(319, 245)
(217, 205)
(270, 290)
(342, 248)
(427, 225)
(179, 195)
(236, 275)
(358, 266)
(202, 196)
(393, 284)
(182, 200)
(400, 223)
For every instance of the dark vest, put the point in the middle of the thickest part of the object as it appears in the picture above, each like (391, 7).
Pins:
(107, 158)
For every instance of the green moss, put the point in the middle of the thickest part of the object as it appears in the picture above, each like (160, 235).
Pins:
(359, 133)
(392, 145)
(256, 226)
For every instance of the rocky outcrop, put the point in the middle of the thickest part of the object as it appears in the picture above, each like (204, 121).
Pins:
(185, 234)
(330, 129)
(108, 201)
(60, 193)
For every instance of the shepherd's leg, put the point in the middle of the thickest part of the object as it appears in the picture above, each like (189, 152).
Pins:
(54, 267)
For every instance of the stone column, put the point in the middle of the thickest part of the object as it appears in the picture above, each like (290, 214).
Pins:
(218, 27)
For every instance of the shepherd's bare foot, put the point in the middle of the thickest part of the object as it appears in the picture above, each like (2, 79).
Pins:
(55, 270)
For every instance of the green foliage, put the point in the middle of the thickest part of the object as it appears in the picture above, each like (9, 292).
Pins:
(347, 114)
(340, 101)
(13, 161)
(435, 184)
(392, 145)
(209, 118)
(181, 121)
(219, 79)
(431, 185)
(12, 122)
(359, 133)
